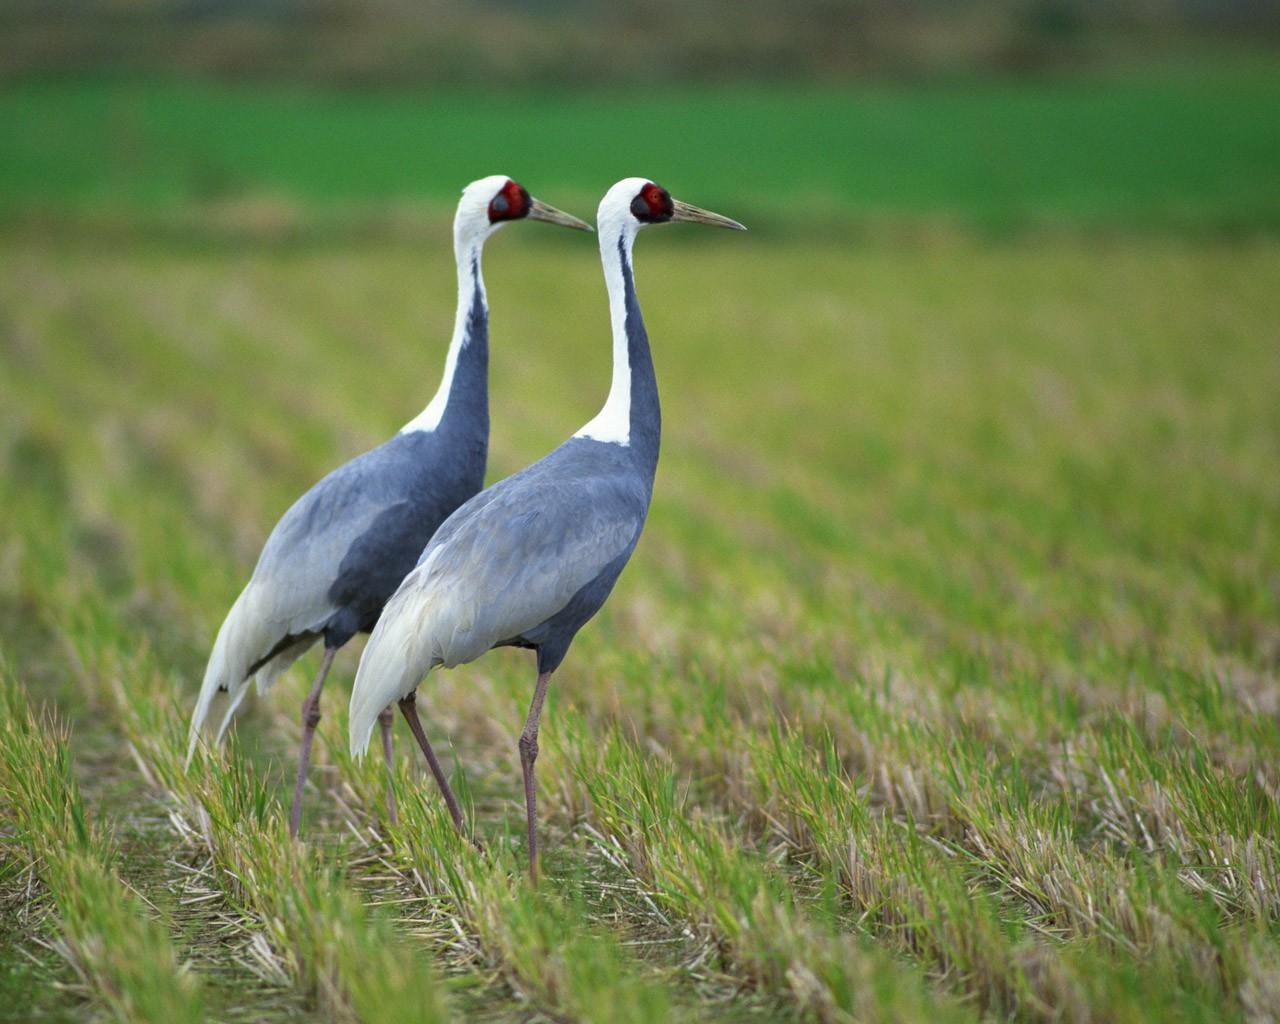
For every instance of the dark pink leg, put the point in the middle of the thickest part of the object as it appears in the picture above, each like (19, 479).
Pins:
(310, 718)
(385, 720)
(528, 755)
(409, 708)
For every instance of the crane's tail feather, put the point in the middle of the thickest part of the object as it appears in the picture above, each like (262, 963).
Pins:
(213, 716)
(395, 660)
(246, 635)
(228, 710)
(268, 673)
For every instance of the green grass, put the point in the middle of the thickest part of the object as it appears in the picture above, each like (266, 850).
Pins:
(121, 958)
(943, 685)
(1173, 147)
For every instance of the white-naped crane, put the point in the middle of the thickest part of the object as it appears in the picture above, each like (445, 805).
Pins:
(528, 561)
(340, 551)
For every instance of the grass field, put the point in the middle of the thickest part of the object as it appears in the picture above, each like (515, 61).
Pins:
(944, 683)
(1191, 146)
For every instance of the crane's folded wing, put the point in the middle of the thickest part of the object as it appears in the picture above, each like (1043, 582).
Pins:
(288, 595)
(497, 569)
(517, 560)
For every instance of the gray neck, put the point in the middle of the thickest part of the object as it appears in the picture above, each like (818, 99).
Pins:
(646, 413)
(460, 407)
(631, 416)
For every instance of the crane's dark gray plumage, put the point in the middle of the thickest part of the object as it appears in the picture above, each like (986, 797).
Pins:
(341, 550)
(530, 560)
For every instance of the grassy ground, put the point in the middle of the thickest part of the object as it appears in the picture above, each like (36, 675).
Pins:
(942, 685)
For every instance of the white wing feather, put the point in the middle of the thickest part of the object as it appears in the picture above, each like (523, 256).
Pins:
(257, 622)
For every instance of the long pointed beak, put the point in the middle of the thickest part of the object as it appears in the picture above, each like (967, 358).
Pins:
(694, 215)
(538, 210)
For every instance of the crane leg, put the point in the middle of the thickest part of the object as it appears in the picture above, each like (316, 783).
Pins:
(310, 719)
(385, 719)
(409, 708)
(528, 755)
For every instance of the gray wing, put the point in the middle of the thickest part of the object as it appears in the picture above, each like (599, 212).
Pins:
(504, 563)
(289, 592)
(519, 558)
(301, 558)
(361, 514)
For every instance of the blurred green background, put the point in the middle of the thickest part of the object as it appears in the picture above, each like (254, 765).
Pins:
(998, 113)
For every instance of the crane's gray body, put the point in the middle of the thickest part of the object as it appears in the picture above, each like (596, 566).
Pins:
(557, 533)
(340, 551)
(526, 562)
(358, 532)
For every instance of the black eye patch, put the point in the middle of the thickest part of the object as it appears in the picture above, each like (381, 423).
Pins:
(640, 208)
(500, 204)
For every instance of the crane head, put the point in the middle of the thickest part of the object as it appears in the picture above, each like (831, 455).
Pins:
(637, 202)
(491, 202)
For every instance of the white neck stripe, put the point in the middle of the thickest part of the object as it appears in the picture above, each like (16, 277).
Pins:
(470, 282)
(612, 424)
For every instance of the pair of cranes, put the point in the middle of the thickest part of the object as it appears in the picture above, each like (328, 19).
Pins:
(403, 543)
